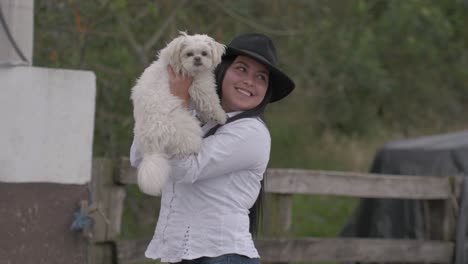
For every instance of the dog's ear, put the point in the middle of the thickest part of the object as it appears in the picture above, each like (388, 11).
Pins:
(174, 49)
(217, 50)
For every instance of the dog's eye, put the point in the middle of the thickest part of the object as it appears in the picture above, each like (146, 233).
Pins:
(189, 54)
(204, 53)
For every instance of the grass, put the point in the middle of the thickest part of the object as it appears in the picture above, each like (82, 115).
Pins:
(320, 216)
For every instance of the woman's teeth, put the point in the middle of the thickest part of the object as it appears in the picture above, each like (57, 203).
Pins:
(244, 92)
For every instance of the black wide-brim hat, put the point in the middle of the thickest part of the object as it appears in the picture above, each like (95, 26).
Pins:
(260, 48)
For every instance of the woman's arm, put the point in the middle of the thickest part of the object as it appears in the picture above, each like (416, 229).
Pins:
(241, 145)
(135, 154)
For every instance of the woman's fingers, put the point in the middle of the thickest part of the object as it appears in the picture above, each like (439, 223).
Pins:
(171, 72)
(178, 80)
(179, 84)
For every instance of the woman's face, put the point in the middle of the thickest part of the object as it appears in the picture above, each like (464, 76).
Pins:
(245, 84)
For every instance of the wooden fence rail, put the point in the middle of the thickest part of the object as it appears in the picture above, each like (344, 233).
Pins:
(351, 184)
(326, 249)
(281, 184)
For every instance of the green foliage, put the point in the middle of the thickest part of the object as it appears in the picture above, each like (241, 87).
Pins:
(360, 66)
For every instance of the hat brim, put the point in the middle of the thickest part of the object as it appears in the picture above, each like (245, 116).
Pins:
(280, 83)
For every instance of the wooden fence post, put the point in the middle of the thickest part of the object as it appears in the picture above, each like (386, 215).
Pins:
(277, 219)
(461, 249)
(100, 253)
(443, 214)
(106, 210)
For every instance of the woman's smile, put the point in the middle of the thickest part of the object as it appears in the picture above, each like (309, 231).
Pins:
(244, 91)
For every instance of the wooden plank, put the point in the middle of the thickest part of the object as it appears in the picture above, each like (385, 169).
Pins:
(99, 253)
(362, 250)
(461, 247)
(357, 184)
(277, 219)
(127, 174)
(353, 184)
(101, 175)
(442, 220)
(115, 211)
(107, 200)
(131, 251)
(312, 249)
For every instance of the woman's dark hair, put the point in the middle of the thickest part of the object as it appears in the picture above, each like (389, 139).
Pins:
(256, 212)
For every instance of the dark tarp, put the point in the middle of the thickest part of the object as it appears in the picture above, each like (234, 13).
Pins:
(439, 155)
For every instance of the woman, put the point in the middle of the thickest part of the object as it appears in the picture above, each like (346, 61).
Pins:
(204, 216)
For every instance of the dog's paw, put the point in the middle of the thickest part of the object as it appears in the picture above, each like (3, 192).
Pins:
(220, 117)
(203, 118)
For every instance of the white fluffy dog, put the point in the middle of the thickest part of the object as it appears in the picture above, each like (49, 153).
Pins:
(163, 127)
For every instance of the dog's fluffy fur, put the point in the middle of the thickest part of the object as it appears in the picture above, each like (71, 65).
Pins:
(163, 127)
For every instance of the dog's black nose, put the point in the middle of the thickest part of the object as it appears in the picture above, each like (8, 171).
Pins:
(197, 59)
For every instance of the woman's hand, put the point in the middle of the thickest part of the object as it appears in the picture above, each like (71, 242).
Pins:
(179, 85)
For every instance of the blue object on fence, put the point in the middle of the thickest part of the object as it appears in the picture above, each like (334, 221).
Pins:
(80, 221)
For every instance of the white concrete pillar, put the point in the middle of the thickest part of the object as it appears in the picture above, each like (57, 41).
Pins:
(47, 124)
(19, 18)
(46, 136)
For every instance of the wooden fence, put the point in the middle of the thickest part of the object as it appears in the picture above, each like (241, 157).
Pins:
(444, 194)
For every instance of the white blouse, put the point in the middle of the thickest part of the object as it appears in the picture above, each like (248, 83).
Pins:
(206, 201)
